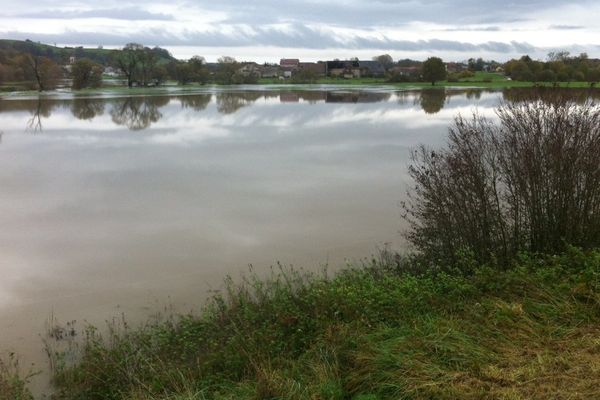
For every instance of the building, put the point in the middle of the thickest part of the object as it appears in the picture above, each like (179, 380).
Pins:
(406, 71)
(343, 69)
(289, 63)
(318, 69)
(250, 69)
(454, 67)
(270, 71)
(289, 66)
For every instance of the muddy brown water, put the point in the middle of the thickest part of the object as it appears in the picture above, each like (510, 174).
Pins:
(125, 205)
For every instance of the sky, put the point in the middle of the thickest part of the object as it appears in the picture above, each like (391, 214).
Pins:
(265, 30)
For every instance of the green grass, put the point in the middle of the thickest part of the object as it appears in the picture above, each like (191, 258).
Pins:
(372, 332)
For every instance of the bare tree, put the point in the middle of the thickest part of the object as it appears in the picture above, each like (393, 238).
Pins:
(529, 182)
(44, 72)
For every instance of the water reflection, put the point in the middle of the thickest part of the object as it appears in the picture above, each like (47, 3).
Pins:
(197, 102)
(41, 109)
(230, 102)
(433, 100)
(87, 109)
(549, 94)
(139, 113)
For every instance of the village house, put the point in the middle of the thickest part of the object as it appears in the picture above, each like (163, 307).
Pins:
(250, 69)
(289, 66)
(411, 71)
(454, 67)
(318, 69)
(270, 71)
(343, 69)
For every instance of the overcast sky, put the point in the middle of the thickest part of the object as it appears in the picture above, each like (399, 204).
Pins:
(265, 30)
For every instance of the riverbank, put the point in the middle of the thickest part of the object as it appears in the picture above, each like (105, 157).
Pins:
(381, 330)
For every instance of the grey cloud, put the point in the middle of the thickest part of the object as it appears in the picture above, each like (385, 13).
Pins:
(474, 28)
(379, 12)
(128, 13)
(300, 36)
(345, 13)
(566, 27)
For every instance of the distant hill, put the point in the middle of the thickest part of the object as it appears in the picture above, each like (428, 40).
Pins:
(10, 48)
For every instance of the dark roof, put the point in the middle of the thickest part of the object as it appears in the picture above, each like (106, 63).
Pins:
(342, 64)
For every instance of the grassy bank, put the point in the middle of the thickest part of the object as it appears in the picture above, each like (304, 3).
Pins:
(370, 332)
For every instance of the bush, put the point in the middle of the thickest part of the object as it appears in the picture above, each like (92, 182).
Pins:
(466, 74)
(529, 182)
(86, 73)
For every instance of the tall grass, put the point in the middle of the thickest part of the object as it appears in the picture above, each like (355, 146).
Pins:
(13, 382)
(373, 332)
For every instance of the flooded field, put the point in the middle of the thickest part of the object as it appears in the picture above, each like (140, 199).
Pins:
(128, 204)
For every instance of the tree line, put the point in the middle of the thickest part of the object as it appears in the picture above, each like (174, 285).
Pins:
(559, 67)
(43, 67)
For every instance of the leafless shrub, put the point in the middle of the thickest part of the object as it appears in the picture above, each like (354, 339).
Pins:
(530, 181)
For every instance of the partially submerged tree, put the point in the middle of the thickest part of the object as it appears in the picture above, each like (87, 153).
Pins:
(226, 71)
(434, 70)
(42, 71)
(529, 182)
(127, 61)
(198, 69)
(86, 73)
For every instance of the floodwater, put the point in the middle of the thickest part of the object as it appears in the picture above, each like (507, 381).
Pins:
(124, 205)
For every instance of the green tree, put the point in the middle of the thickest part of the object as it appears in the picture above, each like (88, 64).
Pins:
(147, 67)
(546, 75)
(183, 73)
(127, 60)
(86, 73)
(198, 69)
(593, 76)
(434, 70)
(226, 72)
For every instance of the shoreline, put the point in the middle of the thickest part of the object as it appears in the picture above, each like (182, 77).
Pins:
(191, 89)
